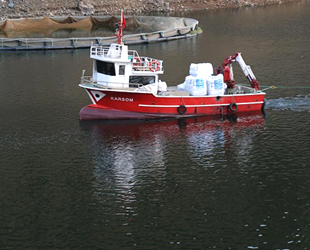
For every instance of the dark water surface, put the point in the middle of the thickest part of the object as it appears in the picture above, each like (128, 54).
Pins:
(206, 183)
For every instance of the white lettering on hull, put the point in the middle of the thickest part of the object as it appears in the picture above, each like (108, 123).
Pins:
(121, 99)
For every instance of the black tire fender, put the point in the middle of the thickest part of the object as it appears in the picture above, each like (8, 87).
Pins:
(182, 109)
(233, 107)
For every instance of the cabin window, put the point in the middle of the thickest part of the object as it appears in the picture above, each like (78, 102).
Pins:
(121, 70)
(105, 68)
(141, 80)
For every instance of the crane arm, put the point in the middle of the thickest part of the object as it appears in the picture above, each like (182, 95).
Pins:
(245, 68)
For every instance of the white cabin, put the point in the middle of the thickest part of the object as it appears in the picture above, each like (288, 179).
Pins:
(118, 67)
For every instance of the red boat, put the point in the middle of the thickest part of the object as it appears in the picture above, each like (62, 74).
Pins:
(125, 85)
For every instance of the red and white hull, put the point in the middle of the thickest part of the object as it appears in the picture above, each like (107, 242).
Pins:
(125, 85)
(115, 104)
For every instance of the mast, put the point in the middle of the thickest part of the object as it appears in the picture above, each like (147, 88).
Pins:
(120, 26)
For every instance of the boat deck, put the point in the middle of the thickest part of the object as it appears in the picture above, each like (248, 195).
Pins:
(87, 82)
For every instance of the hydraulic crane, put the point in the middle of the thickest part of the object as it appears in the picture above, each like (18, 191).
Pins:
(228, 72)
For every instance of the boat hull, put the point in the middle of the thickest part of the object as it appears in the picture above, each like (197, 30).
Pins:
(111, 104)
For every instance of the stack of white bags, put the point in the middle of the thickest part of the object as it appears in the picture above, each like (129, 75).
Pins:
(201, 81)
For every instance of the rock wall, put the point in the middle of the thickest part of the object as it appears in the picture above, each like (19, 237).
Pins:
(39, 8)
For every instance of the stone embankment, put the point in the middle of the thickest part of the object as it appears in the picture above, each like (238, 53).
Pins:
(39, 8)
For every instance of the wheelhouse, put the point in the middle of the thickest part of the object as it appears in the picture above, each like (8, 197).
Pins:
(118, 67)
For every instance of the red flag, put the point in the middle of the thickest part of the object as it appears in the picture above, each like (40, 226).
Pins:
(123, 21)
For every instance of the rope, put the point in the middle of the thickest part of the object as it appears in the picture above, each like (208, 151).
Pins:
(270, 87)
(296, 87)
(285, 87)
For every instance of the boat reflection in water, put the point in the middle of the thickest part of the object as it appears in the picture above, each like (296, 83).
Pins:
(131, 154)
(144, 130)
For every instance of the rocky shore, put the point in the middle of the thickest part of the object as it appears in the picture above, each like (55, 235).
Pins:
(39, 8)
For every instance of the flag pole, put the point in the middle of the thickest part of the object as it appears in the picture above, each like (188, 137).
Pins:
(120, 29)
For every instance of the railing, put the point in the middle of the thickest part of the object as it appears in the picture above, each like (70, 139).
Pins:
(147, 64)
(88, 81)
(99, 50)
(139, 63)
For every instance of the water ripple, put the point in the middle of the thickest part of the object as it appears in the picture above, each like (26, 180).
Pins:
(298, 103)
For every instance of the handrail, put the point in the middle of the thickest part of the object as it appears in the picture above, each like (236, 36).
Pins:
(100, 50)
(147, 64)
(139, 63)
(106, 84)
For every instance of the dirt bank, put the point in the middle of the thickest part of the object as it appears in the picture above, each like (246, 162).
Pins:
(35, 8)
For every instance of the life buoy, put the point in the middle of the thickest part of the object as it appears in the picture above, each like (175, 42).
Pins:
(136, 61)
(233, 107)
(154, 66)
(182, 109)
